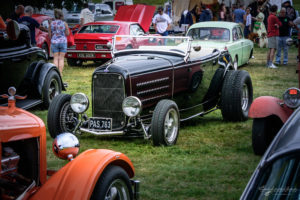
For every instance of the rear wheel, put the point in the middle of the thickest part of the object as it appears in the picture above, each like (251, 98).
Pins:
(51, 88)
(165, 123)
(113, 183)
(45, 48)
(74, 62)
(237, 95)
(61, 117)
(263, 132)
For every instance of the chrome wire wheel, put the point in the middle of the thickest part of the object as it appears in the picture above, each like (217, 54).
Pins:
(53, 89)
(245, 98)
(171, 126)
(68, 118)
(117, 190)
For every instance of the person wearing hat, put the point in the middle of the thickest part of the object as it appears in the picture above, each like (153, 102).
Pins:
(161, 22)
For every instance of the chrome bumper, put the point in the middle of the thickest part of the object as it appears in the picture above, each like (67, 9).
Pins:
(136, 189)
(103, 133)
(83, 51)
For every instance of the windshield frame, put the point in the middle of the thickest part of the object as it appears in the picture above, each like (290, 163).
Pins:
(207, 27)
(185, 54)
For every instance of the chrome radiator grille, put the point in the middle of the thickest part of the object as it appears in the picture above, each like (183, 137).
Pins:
(108, 94)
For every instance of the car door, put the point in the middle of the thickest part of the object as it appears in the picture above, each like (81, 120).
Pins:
(235, 48)
(246, 46)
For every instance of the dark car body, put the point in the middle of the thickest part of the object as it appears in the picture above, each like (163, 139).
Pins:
(24, 67)
(154, 78)
(277, 175)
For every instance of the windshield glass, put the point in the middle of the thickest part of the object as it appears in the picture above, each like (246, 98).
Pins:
(178, 45)
(210, 33)
(103, 28)
(281, 180)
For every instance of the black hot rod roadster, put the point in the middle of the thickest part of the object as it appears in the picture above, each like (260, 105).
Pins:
(148, 90)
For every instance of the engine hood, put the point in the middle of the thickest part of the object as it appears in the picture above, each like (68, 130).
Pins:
(139, 13)
(138, 64)
(15, 121)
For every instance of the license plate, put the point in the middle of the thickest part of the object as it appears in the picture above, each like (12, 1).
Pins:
(97, 123)
(86, 55)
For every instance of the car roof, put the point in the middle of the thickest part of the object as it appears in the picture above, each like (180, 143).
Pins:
(219, 24)
(40, 17)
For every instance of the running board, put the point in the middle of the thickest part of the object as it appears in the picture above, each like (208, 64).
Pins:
(26, 103)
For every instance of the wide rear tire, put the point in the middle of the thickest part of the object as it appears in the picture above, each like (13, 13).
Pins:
(263, 132)
(113, 183)
(237, 95)
(61, 117)
(165, 123)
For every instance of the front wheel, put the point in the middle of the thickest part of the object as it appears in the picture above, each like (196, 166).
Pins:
(237, 95)
(165, 123)
(263, 132)
(51, 88)
(61, 117)
(113, 183)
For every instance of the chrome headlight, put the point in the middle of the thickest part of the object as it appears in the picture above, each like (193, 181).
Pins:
(132, 106)
(291, 97)
(79, 102)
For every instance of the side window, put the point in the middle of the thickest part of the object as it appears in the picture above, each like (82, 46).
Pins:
(136, 30)
(45, 24)
(240, 32)
(235, 35)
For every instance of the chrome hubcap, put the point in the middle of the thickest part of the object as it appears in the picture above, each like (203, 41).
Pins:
(171, 125)
(235, 64)
(53, 89)
(245, 97)
(117, 190)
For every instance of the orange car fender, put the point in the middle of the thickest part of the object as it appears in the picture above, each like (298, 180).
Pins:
(265, 106)
(77, 179)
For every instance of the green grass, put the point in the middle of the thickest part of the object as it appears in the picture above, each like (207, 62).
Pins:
(212, 159)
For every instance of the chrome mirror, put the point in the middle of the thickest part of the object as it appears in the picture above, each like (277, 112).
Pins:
(66, 146)
(13, 30)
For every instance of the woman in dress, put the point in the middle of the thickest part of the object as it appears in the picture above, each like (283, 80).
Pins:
(58, 32)
(259, 26)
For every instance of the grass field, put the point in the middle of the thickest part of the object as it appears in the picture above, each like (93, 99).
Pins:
(212, 159)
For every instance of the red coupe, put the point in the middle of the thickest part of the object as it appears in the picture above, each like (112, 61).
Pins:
(41, 37)
(92, 41)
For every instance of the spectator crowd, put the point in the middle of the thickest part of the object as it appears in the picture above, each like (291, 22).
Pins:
(263, 23)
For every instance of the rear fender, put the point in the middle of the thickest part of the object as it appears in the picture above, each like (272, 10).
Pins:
(40, 75)
(77, 179)
(266, 106)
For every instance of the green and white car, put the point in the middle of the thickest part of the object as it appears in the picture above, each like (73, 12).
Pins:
(222, 36)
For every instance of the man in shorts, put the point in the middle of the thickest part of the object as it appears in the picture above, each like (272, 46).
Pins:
(273, 32)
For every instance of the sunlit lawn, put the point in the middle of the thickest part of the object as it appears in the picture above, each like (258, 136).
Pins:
(212, 159)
